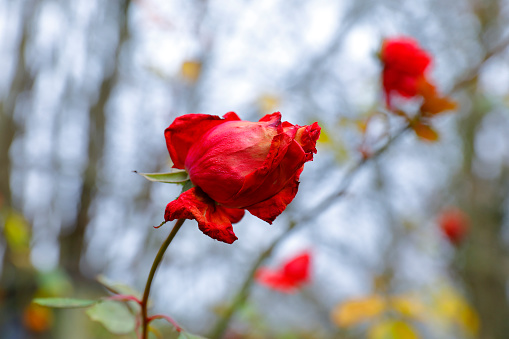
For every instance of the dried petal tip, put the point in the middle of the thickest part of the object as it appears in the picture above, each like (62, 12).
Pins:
(213, 220)
(307, 137)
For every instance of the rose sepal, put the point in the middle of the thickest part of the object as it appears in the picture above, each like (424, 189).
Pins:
(173, 177)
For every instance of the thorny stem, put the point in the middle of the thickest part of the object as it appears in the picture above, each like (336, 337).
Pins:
(153, 269)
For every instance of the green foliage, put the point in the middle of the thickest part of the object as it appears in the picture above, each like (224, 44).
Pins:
(64, 302)
(114, 316)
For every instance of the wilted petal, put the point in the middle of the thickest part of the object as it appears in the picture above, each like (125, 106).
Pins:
(213, 220)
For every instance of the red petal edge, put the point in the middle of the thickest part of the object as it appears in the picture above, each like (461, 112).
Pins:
(276, 280)
(186, 130)
(269, 209)
(213, 220)
(297, 268)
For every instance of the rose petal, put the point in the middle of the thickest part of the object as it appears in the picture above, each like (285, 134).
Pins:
(298, 267)
(275, 280)
(219, 163)
(269, 209)
(234, 214)
(213, 220)
(405, 55)
(285, 158)
(188, 129)
(307, 136)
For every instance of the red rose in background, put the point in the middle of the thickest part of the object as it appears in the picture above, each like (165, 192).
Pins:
(291, 276)
(237, 165)
(454, 225)
(404, 66)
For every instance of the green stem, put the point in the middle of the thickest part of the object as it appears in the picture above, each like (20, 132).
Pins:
(241, 296)
(152, 273)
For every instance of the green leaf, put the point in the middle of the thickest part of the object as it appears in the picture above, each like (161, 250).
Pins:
(187, 186)
(174, 177)
(64, 302)
(114, 316)
(186, 335)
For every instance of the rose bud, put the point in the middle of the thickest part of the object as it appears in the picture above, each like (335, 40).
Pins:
(289, 277)
(454, 225)
(237, 165)
(404, 66)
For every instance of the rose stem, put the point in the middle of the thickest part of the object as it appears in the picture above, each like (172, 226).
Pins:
(153, 270)
(241, 297)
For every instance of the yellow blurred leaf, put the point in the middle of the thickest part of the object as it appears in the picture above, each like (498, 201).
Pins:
(268, 103)
(392, 329)
(191, 70)
(324, 136)
(355, 311)
(425, 131)
(362, 125)
(451, 307)
(409, 306)
(17, 232)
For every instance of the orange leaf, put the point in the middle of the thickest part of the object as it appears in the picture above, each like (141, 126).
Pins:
(433, 102)
(425, 131)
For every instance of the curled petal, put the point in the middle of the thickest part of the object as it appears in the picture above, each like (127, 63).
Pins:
(213, 220)
(269, 209)
(188, 129)
(307, 137)
(285, 158)
(274, 119)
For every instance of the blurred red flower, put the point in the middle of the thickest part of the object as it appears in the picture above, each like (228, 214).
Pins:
(454, 225)
(289, 277)
(236, 165)
(404, 66)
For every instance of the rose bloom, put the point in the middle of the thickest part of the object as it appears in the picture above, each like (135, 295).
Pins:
(404, 66)
(454, 225)
(237, 165)
(289, 277)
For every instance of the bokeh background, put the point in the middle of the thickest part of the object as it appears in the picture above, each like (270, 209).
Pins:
(87, 88)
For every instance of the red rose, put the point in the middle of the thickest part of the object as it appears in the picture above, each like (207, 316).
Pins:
(237, 165)
(404, 66)
(289, 277)
(454, 225)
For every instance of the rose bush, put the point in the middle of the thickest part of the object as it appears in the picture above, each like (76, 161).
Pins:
(237, 165)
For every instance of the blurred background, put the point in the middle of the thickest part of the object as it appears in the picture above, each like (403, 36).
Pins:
(416, 248)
